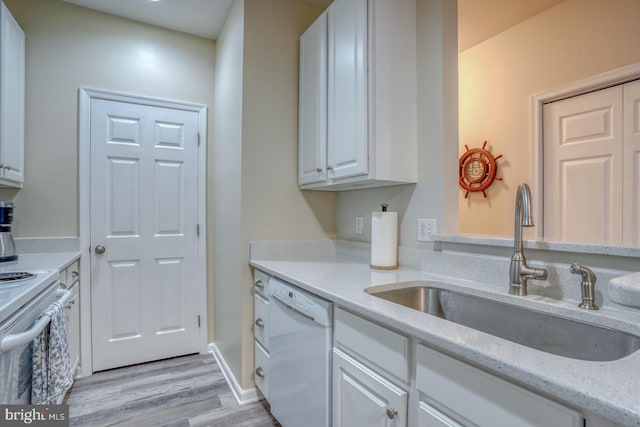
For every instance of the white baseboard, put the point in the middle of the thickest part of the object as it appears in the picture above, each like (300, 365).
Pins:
(242, 396)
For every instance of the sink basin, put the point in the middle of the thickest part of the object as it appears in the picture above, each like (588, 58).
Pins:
(541, 331)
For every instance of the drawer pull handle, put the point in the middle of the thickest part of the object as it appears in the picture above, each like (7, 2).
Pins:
(259, 284)
(260, 372)
(259, 323)
(391, 413)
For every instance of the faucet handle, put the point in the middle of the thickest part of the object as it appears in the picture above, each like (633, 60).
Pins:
(587, 286)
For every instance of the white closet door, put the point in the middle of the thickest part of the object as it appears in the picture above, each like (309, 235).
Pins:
(583, 168)
(631, 172)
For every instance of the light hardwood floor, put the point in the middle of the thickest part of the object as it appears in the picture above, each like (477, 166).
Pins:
(183, 391)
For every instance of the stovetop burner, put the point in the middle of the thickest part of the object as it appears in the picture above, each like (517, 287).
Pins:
(15, 276)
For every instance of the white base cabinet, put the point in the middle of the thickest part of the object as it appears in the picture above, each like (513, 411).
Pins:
(370, 373)
(452, 393)
(260, 332)
(70, 279)
(361, 397)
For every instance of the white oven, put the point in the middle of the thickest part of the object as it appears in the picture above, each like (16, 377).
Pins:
(22, 302)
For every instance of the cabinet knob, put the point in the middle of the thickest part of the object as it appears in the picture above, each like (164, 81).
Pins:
(259, 284)
(260, 372)
(63, 285)
(100, 249)
(319, 170)
(329, 168)
(391, 413)
(74, 274)
(259, 323)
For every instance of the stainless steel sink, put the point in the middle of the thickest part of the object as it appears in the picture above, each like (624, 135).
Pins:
(538, 330)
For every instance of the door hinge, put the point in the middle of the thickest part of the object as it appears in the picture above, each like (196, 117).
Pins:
(198, 230)
(198, 320)
(198, 139)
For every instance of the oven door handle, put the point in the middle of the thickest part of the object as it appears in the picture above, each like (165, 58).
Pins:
(16, 340)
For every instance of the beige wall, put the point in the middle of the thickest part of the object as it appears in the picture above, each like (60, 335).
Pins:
(263, 202)
(572, 41)
(69, 47)
(225, 186)
(434, 196)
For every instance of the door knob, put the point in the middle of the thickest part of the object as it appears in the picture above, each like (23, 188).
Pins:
(100, 249)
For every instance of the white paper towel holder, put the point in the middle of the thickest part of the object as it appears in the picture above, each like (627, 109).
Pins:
(385, 267)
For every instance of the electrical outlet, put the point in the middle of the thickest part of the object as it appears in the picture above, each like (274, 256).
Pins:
(359, 224)
(426, 230)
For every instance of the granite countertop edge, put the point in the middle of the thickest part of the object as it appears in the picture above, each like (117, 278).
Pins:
(604, 388)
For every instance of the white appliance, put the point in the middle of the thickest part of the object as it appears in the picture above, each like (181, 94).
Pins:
(23, 298)
(300, 361)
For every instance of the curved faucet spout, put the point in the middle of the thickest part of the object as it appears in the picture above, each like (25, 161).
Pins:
(523, 217)
(519, 271)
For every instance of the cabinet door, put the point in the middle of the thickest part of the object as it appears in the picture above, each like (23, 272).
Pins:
(73, 327)
(12, 99)
(312, 138)
(347, 113)
(361, 397)
(428, 416)
(467, 393)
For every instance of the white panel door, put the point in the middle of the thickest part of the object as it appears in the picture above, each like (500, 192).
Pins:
(347, 111)
(631, 169)
(312, 144)
(583, 168)
(361, 397)
(144, 215)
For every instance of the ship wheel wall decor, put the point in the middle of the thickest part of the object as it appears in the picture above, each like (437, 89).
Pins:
(478, 169)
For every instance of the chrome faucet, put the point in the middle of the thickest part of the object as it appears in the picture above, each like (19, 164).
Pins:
(519, 271)
(587, 285)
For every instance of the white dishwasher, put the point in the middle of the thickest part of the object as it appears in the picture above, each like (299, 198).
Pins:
(300, 361)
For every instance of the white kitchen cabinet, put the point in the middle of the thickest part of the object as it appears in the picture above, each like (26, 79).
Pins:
(260, 332)
(312, 150)
(453, 393)
(367, 134)
(70, 279)
(361, 397)
(370, 373)
(12, 100)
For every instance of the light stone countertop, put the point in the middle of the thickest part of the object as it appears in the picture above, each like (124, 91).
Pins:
(610, 389)
(41, 261)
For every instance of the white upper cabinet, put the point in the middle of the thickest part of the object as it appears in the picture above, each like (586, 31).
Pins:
(12, 87)
(358, 107)
(312, 151)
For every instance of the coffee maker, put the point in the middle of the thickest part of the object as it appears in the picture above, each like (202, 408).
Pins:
(7, 246)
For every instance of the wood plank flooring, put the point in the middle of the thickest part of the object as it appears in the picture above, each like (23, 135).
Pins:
(183, 391)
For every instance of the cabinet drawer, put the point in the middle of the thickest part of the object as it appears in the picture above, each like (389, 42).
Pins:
(260, 320)
(261, 283)
(385, 348)
(261, 372)
(465, 392)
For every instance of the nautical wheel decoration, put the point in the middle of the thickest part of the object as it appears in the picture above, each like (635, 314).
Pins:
(478, 169)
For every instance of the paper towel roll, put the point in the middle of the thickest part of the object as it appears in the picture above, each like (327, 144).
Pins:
(384, 240)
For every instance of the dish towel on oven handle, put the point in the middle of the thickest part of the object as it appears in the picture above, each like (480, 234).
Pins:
(52, 374)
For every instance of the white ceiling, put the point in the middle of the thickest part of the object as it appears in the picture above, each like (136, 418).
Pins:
(478, 20)
(202, 18)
